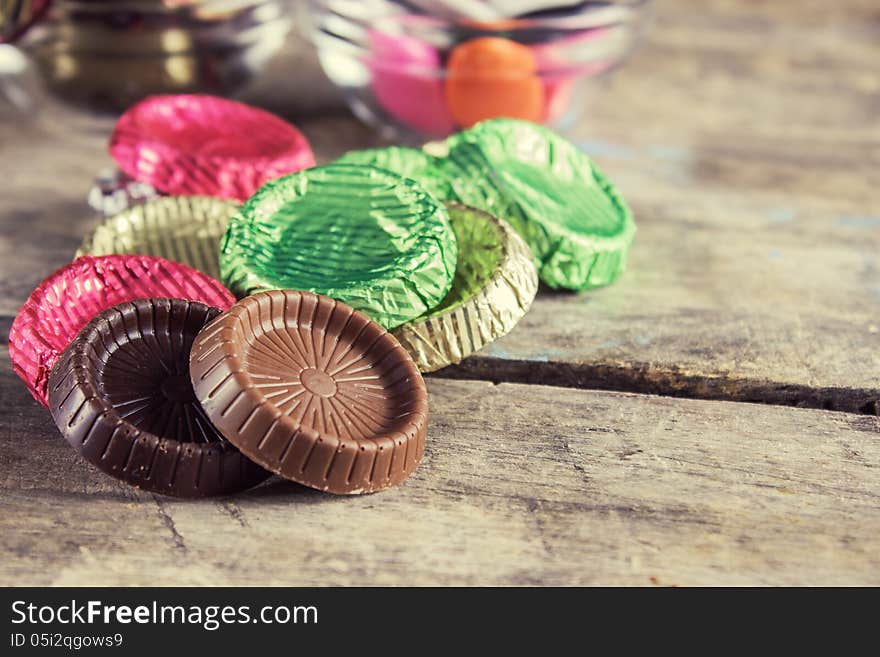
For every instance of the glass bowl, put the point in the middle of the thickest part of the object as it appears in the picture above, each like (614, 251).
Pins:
(16, 16)
(422, 70)
(107, 54)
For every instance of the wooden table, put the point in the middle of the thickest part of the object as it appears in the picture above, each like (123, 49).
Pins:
(709, 419)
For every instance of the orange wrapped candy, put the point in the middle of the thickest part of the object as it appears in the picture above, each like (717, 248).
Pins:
(490, 77)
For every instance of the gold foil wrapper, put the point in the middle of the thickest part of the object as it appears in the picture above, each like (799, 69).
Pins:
(495, 284)
(185, 229)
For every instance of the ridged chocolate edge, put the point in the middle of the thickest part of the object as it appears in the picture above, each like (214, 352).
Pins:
(274, 440)
(97, 432)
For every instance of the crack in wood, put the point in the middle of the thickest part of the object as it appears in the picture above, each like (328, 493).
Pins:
(176, 537)
(644, 378)
(234, 511)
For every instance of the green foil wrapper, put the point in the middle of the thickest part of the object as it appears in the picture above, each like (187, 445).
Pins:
(409, 163)
(494, 286)
(185, 229)
(578, 226)
(359, 234)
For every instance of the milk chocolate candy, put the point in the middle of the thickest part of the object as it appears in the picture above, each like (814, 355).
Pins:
(312, 390)
(121, 396)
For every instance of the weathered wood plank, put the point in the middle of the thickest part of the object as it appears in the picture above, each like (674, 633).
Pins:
(742, 309)
(520, 485)
(749, 146)
(746, 137)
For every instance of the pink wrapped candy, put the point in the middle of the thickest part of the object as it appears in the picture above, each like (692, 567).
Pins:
(192, 145)
(408, 82)
(66, 301)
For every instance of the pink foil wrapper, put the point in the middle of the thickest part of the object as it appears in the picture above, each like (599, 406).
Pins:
(191, 145)
(408, 82)
(68, 299)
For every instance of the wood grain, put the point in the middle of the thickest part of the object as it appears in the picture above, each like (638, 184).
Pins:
(519, 485)
(746, 137)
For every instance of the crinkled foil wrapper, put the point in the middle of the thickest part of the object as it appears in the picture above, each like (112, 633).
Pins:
(495, 284)
(365, 236)
(575, 221)
(68, 299)
(185, 229)
(409, 163)
(192, 145)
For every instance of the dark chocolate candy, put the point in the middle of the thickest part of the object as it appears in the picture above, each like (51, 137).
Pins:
(122, 397)
(312, 390)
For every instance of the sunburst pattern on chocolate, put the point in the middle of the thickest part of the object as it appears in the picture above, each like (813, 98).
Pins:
(145, 375)
(313, 390)
(122, 396)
